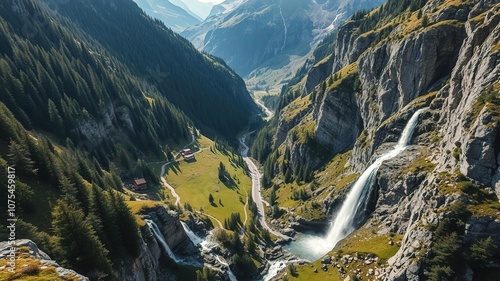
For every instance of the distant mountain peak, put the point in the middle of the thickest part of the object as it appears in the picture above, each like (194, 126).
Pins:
(172, 15)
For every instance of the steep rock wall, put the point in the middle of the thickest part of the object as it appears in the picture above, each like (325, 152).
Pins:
(475, 136)
(169, 223)
(396, 72)
(338, 121)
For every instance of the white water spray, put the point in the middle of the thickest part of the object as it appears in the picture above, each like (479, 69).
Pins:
(274, 269)
(159, 236)
(192, 236)
(207, 246)
(231, 275)
(352, 209)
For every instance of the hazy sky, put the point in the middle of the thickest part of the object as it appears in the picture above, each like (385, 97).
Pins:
(201, 7)
(212, 1)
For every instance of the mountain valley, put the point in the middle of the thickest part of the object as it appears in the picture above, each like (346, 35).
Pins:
(127, 154)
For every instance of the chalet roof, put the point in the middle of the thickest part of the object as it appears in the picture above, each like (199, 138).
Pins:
(140, 181)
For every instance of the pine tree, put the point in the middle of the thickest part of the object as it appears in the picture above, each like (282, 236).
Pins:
(105, 223)
(77, 241)
(168, 153)
(126, 223)
(20, 158)
(250, 244)
(222, 172)
(425, 21)
(55, 119)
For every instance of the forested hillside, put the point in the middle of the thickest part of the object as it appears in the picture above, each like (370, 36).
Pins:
(199, 84)
(77, 116)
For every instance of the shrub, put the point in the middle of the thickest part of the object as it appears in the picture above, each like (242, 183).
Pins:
(482, 252)
(292, 269)
(30, 269)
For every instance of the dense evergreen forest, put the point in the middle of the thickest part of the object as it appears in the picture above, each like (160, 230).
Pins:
(203, 86)
(80, 108)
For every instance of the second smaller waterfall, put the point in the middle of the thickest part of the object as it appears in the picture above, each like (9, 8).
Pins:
(192, 236)
(161, 239)
(274, 269)
(207, 246)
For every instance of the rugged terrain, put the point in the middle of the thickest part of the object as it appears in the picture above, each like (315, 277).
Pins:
(433, 213)
(171, 15)
(266, 42)
(354, 102)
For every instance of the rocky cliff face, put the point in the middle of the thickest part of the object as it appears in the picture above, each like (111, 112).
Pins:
(146, 265)
(448, 60)
(169, 223)
(268, 41)
(470, 119)
(96, 130)
(337, 134)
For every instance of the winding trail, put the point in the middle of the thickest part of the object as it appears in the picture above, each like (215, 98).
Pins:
(212, 217)
(256, 176)
(162, 173)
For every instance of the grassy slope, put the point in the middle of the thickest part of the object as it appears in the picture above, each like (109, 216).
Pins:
(194, 181)
(362, 241)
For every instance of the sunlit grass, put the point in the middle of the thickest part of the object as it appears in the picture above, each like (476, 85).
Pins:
(195, 181)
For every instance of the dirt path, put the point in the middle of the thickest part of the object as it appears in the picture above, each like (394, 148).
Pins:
(212, 217)
(162, 174)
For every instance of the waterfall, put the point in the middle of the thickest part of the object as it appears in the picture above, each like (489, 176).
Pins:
(274, 269)
(192, 236)
(231, 275)
(351, 212)
(206, 245)
(159, 236)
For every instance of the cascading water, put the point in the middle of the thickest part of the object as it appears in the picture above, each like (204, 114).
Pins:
(192, 236)
(206, 245)
(231, 275)
(352, 210)
(274, 269)
(159, 236)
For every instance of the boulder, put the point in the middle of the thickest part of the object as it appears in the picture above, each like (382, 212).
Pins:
(326, 260)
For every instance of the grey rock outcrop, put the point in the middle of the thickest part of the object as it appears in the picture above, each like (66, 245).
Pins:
(168, 222)
(98, 129)
(286, 123)
(338, 121)
(318, 73)
(348, 46)
(396, 190)
(478, 228)
(477, 67)
(146, 266)
(35, 253)
(395, 73)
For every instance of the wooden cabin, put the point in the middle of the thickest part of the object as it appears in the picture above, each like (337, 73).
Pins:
(140, 184)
